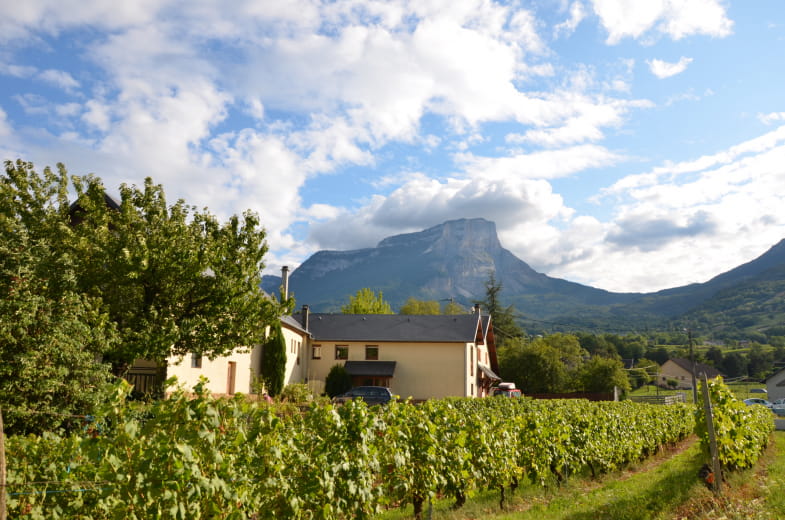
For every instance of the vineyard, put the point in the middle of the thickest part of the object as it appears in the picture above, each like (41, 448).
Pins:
(191, 457)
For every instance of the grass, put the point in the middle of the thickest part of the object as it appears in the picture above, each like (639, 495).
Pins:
(665, 487)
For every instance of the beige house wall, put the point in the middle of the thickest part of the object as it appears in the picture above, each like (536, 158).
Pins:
(671, 370)
(296, 347)
(247, 364)
(422, 371)
(217, 371)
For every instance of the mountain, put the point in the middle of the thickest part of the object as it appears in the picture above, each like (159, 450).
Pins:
(453, 260)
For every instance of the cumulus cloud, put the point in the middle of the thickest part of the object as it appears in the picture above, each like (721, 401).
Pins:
(423, 202)
(547, 164)
(674, 18)
(663, 69)
(689, 221)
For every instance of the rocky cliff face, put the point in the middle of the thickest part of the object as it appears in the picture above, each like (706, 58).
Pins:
(451, 260)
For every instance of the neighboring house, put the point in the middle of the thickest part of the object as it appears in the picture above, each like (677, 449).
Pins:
(775, 385)
(680, 370)
(414, 355)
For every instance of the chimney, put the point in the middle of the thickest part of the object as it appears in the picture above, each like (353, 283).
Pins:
(306, 312)
(477, 308)
(285, 282)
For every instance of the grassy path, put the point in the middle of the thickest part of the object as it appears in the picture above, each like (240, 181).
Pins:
(665, 487)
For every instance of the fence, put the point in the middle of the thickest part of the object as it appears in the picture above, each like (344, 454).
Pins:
(660, 399)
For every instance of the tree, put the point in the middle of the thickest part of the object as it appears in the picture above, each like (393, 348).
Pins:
(367, 302)
(714, 356)
(414, 306)
(172, 280)
(273, 369)
(451, 308)
(50, 335)
(734, 365)
(337, 381)
(504, 324)
(535, 367)
(645, 371)
(601, 374)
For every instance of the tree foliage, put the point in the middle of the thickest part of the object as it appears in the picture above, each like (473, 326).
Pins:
(90, 280)
(273, 369)
(172, 280)
(505, 325)
(337, 381)
(367, 302)
(414, 306)
(600, 374)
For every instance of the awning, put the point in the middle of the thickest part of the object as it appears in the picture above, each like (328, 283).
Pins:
(370, 368)
(489, 373)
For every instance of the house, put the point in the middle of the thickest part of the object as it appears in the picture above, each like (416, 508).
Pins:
(680, 370)
(775, 385)
(418, 356)
(414, 355)
(239, 371)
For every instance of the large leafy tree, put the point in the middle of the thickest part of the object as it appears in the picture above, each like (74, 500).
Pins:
(170, 278)
(367, 302)
(601, 374)
(50, 334)
(536, 367)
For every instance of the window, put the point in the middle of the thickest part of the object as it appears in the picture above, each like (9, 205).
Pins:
(371, 352)
(316, 352)
(341, 351)
(196, 361)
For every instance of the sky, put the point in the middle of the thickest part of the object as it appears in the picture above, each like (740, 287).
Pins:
(627, 145)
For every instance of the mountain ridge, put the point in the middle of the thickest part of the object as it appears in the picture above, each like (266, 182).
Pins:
(453, 260)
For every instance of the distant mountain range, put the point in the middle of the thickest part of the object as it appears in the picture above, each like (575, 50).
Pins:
(453, 261)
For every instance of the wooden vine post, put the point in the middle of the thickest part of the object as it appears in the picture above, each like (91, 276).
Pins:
(716, 470)
(3, 511)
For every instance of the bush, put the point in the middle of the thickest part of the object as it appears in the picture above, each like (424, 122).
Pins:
(297, 393)
(338, 381)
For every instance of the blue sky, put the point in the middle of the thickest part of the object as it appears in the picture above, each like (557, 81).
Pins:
(628, 145)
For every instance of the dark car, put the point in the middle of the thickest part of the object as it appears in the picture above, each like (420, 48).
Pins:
(370, 394)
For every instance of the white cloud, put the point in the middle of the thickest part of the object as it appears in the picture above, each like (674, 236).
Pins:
(547, 164)
(689, 221)
(422, 202)
(59, 78)
(771, 118)
(567, 27)
(674, 18)
(5, 128)
(663, 69)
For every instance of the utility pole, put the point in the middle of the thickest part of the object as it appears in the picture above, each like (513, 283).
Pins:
(692, 361)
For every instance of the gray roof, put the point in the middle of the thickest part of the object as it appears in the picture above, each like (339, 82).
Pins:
(461, 328)
(287, 320)
(370, 368)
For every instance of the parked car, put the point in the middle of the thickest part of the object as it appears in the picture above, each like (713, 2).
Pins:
(778, 406)
(370, 394)
(758, 391)
(506, 390)
(754, 400)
